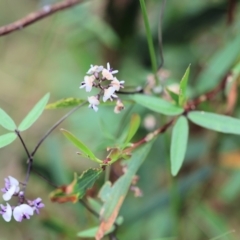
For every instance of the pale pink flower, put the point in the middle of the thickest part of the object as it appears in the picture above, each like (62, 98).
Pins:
(93, 102)
(109, 72)
(88, 83)
(95, 69)
(117, 84)
(109, 94)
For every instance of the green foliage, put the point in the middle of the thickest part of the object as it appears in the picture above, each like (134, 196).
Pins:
(85, 151)
(119, 190)
(6, 121)
(133, 127)
(157, 104)
(218, 66)
(77, 189)
(216, 122)
(183, 87)
(7, 138)
(66, 102)
(178, 144)
(34, 114)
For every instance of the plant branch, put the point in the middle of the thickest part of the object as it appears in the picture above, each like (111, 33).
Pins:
(38, 15)
(54, 126)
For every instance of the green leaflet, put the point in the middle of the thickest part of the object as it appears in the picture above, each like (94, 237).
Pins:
(118, 192)
(178, 144)
(7, 139)
(157, 104)
(183, 88)
(6, 121)
(85, 151)
(216, 122)
(34, 114)
(77, 188)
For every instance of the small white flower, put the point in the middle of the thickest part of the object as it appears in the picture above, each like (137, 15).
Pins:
(11, 188)
(6, 212)
(95, 69)
(109, 94)
(109, 72)
(117, 84)
(119, 106)
(93, 103)
(22, 211)
(88, 83)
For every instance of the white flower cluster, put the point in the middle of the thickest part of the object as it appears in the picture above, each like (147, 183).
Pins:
(22, 211)
(103, 79)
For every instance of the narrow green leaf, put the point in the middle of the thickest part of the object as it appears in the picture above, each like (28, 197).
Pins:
(216, 122)
(77, 188)
(7, 139)
(85, 151)
(64, 103)
(218, 66)
(6, 121)
(178, 144)
(183, 87)
(119, 191)
(34, 114)
(157, 104)
(134, 125)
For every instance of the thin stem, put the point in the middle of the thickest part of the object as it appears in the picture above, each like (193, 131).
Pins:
(160, 42)
(89, 208)
(54, 126)
(23, 143)
(30, 156)
(150, 41)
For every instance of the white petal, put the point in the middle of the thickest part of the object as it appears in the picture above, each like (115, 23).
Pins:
(8, 195)
(13, 181)
(8, 214)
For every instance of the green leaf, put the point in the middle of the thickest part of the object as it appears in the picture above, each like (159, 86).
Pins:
(6, 121)
(178, 144)
(34, 114)
(216, 122)
(173, 95)
(77, 188)
(157, 104)
(7, 139)
(218, 66)
(134, 125)
(119, 191)
(183, 87)
(85, 151)
(64, 103)
(105, 191)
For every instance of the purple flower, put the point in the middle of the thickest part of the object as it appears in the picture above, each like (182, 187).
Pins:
(6, 212)
(22, 211)
(36, 204)
(11, 188)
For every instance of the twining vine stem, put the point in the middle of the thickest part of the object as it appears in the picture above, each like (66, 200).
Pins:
(33, 17)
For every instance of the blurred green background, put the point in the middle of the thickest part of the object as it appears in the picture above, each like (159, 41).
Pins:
(53, 55)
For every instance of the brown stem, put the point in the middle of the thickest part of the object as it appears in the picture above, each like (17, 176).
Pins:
(38, 15)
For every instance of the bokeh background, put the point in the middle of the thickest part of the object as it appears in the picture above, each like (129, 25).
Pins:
(53, 56)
